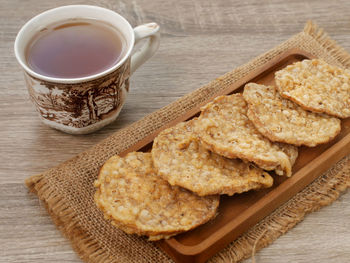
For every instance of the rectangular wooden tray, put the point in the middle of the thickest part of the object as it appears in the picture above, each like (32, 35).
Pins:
(240, 212)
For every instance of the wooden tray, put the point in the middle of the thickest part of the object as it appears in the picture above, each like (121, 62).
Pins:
(240, 212)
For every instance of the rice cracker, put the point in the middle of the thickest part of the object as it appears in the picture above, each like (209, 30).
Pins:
(180, 158)
(137, 200)
(224, 128)
(317, 86)
(282, 120)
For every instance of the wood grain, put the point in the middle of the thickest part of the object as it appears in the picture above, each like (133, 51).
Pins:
(200, 40)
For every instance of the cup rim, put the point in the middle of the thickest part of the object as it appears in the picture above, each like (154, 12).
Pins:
(34, 74)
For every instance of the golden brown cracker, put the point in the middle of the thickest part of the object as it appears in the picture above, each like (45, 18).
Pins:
(224, 128)
(182, 160)
(138, 201)
(316, 86)
(282, 120)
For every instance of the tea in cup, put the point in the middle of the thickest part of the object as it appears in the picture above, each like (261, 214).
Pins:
(77, 62)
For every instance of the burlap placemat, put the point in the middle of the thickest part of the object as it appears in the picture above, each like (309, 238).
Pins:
(67, 190)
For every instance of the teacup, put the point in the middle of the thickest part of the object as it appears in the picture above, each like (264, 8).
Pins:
(86, 104)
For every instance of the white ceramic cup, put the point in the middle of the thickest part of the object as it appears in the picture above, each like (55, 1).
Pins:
(83, 105)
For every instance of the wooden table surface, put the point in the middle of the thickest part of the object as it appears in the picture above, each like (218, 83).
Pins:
(200, 40)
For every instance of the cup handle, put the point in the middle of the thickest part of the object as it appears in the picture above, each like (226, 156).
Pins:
(150, 31)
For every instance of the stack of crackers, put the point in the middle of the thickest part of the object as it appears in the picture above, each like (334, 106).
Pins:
(228, 149)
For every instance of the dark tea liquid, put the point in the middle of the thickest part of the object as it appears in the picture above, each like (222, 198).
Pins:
(75, 49)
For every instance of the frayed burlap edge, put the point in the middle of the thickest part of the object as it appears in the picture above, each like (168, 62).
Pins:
(329, 44)
(67, 222)
(321, 192)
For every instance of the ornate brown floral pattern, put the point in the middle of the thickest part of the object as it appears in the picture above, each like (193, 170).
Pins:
(82, 104)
